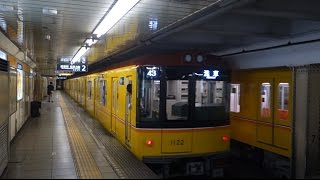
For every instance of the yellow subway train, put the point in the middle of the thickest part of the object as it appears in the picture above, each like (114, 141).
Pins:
(171, 113)
(261, 117)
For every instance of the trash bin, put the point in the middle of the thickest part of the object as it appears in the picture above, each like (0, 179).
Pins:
(35, 106)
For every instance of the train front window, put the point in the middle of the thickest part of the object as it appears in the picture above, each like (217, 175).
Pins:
(177, 96)
(210, 102)
(149, 100)
(177, 100)
(182, 97)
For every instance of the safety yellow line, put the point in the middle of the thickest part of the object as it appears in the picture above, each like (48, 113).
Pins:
(86, 166)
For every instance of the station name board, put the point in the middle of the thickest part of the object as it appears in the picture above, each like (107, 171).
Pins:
(65, 65)
(74, 67)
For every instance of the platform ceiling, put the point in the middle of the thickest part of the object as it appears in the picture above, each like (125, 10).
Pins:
(50, 29)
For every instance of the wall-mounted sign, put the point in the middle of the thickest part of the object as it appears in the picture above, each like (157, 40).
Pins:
(210, 74)
(153, 24)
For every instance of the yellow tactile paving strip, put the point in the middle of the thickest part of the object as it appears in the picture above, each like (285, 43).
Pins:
(86, 167)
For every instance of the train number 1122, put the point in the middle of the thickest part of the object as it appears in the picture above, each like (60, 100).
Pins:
(177, 142)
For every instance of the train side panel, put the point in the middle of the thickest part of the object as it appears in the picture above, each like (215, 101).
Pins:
(264, 120)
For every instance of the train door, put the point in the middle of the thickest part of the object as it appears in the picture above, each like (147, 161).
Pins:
(282, 113)
(78, 90)
(274, 119)
(265, 113)
(114, 104)
(128, 108)
(4, 109)
(85, 92)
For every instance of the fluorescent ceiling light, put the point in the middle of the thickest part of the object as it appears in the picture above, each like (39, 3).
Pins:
(121, 8)
(91, 42)
(79, 54)
(50, 11)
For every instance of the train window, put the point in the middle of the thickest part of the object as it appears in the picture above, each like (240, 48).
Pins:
(177, 100)
(283, 100)
(265, 100)
(209, 100)
(102, 92)
(149, 93)
(89, 89)
(235, 98)
(149, 100)
(177, 93)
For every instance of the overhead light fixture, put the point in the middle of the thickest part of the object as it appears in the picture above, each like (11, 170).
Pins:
(79, 54)
(90, 42)
(121, 8)
(65, 74)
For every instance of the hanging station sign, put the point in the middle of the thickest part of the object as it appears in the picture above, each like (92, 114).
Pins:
(65, 65)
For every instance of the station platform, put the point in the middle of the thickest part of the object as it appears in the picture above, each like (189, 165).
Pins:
(64, 142)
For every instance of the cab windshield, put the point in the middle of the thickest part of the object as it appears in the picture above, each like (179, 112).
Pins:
(182, 97)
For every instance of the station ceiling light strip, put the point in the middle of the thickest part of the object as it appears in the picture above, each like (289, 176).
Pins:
(121, 8)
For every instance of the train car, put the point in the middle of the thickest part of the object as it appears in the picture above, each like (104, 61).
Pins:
(261, 117)
(171, 112)
(4, 109)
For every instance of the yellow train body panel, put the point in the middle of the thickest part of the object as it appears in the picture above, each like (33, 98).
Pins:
(179, 142)
(267, 127)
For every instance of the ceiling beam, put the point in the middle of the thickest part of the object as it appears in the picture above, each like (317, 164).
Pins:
(276, 14)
